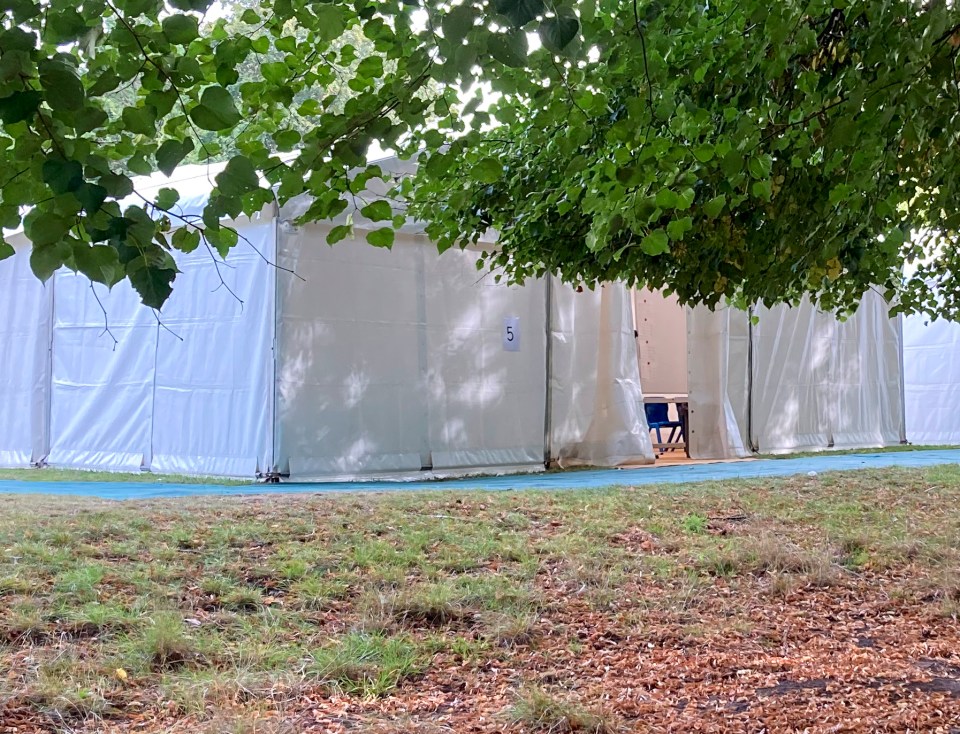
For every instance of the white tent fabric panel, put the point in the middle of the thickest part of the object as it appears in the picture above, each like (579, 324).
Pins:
(102, 392)
(798, 379)
(931, 375)
(597, 414)
(26, 305)
(868, 410)
(350, 397)
(821, 383)
(485, 402)
(718, 357)
(214, 369)
(661, 324)
(793, 374)
(188, 391)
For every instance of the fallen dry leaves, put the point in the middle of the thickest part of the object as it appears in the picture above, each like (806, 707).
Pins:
(869, 651)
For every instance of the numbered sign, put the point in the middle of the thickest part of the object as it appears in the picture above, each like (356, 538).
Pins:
(511, 334)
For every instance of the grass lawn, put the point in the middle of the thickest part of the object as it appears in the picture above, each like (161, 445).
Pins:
(822, 604)
(48, 474)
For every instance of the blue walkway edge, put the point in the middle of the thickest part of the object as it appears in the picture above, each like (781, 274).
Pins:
(588, 479)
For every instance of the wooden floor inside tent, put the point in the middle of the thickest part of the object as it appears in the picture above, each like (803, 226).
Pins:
(678, 458)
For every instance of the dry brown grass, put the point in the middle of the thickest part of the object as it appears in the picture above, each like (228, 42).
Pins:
(219, 605)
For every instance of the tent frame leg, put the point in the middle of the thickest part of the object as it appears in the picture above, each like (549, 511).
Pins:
(548, 367)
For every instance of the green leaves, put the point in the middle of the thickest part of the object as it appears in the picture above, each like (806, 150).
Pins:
(62, 176)
(166, 199)
(171, 152)
(519, 12)
(377, 211)
(44, 227)
(46, 259)
(382, 237)
(180, 29)
(457, 23)
(141, 120)
(713, 207)
(704, 153)
(19, 106)
(216, 110)
(186, 240)
(64, 90)
(760, 166)
(559, 32)
(91, 196)
(509, 49)
(724, 150)
(152, 276)
(238, 178)
(667, 199)
(487, 170)
(655, 243)
(100, 263)
(198, 5)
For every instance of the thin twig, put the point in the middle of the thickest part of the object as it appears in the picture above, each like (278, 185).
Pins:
(223, 283)
(106, 322)
(192, 222)
(166, 328)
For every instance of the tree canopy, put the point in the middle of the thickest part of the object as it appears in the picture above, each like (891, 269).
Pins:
(744, 149)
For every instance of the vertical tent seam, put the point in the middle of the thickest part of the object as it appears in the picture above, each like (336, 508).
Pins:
(903, 382)
(834, 386)
(548, 369)
(423, 357)
(46, 438)
(753, 443)
(270, 463)
(147, 462)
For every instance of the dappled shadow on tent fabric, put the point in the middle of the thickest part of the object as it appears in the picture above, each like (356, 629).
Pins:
(795, 380)
(395, 361)
(793, 373)
(820, 383)
(186, 390)
(597, 407)
(348, 373)
(486, 403)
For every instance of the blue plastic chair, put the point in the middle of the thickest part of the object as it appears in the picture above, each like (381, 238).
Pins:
(658, 418)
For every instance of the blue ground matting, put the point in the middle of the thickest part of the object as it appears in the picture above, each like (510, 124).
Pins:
(569, 480)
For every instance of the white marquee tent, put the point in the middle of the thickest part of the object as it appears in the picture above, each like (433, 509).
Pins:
(796, 379)
(396, 363)
(366, 362)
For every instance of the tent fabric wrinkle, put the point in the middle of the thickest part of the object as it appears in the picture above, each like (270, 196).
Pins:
(24, 352)
(795, 380)
(931, 375)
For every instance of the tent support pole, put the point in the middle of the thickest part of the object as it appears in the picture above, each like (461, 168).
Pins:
(40, 461)
(548, 366)
(753, 445)
(271, 472)
(423, 356)
(903, 384)
(147, 461)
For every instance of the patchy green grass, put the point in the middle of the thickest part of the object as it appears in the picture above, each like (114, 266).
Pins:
(205, 611)
(538, 711)
(49, 474)
(899, 449)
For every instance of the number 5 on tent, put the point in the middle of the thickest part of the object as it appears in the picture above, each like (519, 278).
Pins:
(511, 334)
